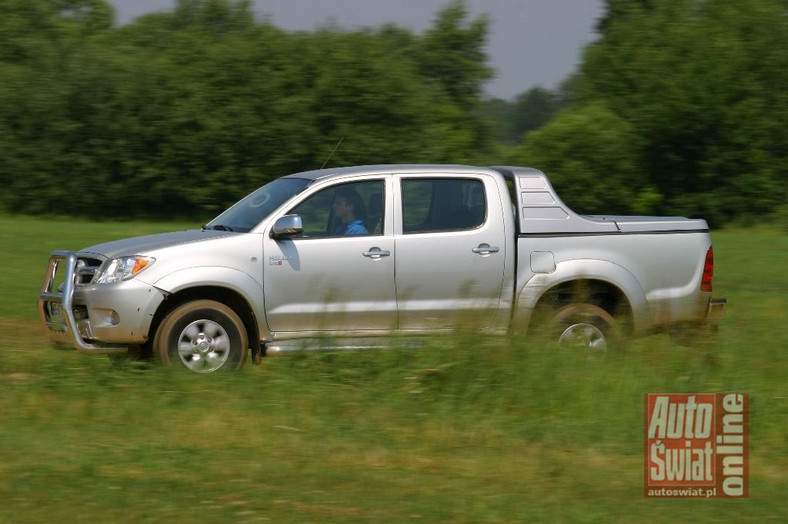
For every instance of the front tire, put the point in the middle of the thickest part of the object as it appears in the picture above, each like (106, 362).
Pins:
(202, 336)
(585, 327)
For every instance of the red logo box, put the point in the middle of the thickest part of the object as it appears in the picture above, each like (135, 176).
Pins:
(696, 445)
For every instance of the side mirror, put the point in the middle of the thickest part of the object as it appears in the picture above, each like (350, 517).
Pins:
(286, 226)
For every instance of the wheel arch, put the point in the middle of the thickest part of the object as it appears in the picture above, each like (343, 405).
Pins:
(600, 293)
(227, 296)
(234, 288)
(597, 282)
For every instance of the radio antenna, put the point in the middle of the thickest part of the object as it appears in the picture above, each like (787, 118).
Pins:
(332, 152)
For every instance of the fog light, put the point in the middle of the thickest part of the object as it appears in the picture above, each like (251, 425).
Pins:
(107, 317)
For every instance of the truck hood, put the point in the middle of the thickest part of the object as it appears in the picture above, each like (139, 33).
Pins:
(146, 244)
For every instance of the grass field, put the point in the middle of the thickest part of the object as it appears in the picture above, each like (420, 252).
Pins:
(463, 430)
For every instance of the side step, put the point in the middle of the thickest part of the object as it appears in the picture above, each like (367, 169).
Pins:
(339, 344)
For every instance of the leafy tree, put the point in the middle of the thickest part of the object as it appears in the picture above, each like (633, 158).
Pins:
(702, 83)
(31, 30)
(452, 54)
(218, 17)
(498, 113)
(38, 42)
(590, 155)
(534, 108)
(179, 113)
(529, 111)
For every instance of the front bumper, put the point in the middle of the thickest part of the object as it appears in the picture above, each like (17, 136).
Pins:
(94, 318)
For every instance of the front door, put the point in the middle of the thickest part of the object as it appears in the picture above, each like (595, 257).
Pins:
(338, 276)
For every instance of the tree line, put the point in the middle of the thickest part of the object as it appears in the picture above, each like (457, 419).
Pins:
(676, 108)
(682, 106)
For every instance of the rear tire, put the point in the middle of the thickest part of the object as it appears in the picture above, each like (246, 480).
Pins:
(585, 327)
(202, 336)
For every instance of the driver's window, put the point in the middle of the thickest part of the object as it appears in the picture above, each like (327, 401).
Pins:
(345, 209)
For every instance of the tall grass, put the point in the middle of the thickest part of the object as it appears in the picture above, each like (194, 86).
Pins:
(465, 429)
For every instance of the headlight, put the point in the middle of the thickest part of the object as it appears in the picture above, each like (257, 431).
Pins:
(122, 268)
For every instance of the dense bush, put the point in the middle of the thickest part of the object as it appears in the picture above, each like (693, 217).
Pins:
(181, 113)
(699, 90)
(678, 107)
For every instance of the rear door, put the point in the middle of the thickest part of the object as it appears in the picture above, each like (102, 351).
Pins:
(451, 251)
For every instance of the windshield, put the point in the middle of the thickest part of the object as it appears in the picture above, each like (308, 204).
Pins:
(247, 213)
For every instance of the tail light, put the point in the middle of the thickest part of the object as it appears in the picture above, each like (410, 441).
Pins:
(708, 271)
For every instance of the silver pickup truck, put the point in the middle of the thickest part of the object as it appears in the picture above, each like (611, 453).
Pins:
(349, 257)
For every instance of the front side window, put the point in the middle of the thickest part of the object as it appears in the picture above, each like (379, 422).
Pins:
(442, 204)
(342, 210)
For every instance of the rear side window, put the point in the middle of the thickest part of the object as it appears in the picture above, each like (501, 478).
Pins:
(442, 204)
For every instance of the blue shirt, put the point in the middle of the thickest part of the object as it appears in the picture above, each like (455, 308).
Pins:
(354, 227)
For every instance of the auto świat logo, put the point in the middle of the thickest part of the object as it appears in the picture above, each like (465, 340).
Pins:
(696, 445)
